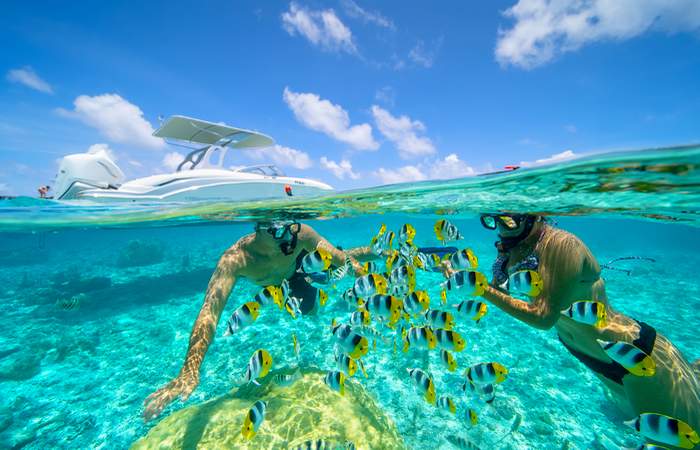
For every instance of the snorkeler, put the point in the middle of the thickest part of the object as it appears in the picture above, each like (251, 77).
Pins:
(571, 274)
(267, 257)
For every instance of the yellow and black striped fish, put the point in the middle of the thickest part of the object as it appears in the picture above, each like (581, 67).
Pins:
(269, 295)
(246, 314)
(421, 337)
(346, 364)
(317, 261)
(449, 360)
(630, 357)
(371, 267)
(445, 403)
(335, 380)
(665, 429)
(259, 366)
(385, 306)
(406, 234)
(525, 282)
(472, 281)
(416, 302)
(486, 373)
(439, 319)
(424, 383)
(369, 284)
(352, 343)
(472, 309)
(446, 231)
(464, 260)
(471, 416)
(588, 313)
(254, 419)
(449, 340)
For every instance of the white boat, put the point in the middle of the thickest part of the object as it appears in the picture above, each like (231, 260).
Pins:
(200, 177)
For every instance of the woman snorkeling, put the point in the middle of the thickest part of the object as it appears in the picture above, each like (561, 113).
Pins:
(570, 275)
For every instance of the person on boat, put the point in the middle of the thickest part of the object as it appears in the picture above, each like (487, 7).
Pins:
(43, 191)
(570, 273)
(270, 255)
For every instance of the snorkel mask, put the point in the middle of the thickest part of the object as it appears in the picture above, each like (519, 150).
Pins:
(509, 222)
(283, 231)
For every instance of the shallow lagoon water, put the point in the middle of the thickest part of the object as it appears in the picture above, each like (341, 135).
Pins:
(76, 378)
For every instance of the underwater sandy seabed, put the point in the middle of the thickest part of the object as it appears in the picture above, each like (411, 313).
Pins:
(76, 378)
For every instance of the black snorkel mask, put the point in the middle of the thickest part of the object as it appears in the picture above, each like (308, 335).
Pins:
(284, 232)
(509, 222)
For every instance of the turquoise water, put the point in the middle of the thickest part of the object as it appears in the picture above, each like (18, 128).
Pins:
(76, 377)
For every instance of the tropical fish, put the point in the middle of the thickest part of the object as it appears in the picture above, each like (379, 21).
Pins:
(269, 295)
(392, 259)
(403, 276)
(254, 419)
(284, 287)
(648, 447)
(439, 319)
(360, 318)
(321, 297)
(445, 403)
(385, 306)
(424, 383)
(525, 282)
(335, 380)
(406, 234)
(369, 284)
(485, 392)
(317, 261)
(350, 342)
(449, 340)
(323, 444)
(449, 360)
(295, 345)
(68, 304)
(342, 271)
(446, 231)
(461, 443)
(587, 312)
(259, 366)
(474, 282)
(472, 309)
(416, 302)
(486, 373)
(293, 306)
(371, 267)
(246, 314)
(349, 297)
(381, 244)
(286, 380)
(464, 260)
(346, 364)
(421, 337)
(471, 416)
(427, 261)
(665, 429)
(408, 252)
(630, 357)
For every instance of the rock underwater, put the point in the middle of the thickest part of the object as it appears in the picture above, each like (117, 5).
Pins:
(306, 410)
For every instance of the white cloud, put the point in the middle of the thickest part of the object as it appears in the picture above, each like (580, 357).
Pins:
(421, 55)
(135, 163)
(340, 170)
(441, 169)
(386, 95)
(545, 28)
(322, 28)
(172, 160)
(355, 11)
(322, 115)
(115, 118)
(450, 167)
(558, 157)
(571, 128)
(401, 175)
(95, 149)
(402, 132)
(5, 189)
(29, 78)
(282, 156)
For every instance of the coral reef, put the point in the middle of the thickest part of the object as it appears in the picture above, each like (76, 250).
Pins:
(306, 410)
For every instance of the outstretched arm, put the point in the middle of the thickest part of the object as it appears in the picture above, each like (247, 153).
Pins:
(537, 314)
(218, 291)
(362, 254)
(311, 240)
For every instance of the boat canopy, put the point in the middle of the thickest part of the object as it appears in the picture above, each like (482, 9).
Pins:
(187, 129)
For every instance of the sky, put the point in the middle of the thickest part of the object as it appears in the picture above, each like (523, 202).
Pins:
(355, 93)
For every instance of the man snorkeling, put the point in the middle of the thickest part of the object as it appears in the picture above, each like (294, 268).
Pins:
(270, 255)
(570, 275)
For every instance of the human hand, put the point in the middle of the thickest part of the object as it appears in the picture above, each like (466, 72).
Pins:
(182, 386)
(357, 268)
(446, 269)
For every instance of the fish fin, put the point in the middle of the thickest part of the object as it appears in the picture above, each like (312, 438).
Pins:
(255, 382)
(602, 343)
(364, 371)
(631, 423)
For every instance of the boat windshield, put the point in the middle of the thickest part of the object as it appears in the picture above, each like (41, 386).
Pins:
(262, 169)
